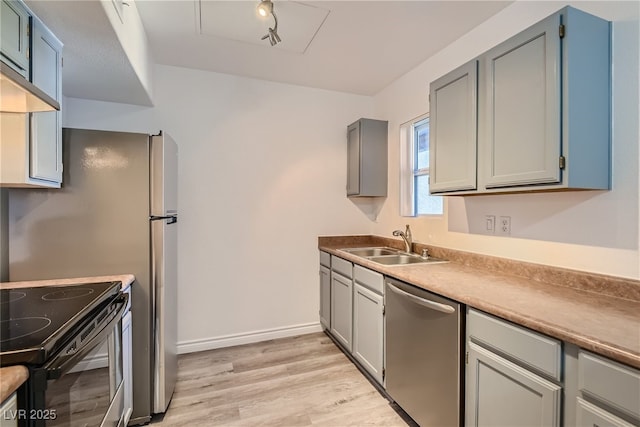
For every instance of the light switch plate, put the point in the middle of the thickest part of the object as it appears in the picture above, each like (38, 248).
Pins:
(490, 224)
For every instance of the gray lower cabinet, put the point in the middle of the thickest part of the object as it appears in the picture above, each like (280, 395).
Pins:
(342, 309)
(127, 366)
(325, 297)
(9, 411)
(608, 392)
(501, 393)
(368, 321)
(354, 315)
(589, 415)
(511, 375)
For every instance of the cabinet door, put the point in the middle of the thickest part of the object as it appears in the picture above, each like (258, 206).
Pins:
(325, 297)
(453, 115)
(501, 393)
(368, 321)
(520, 121)
(341, 309)
(14, 36)
(590, 415)
(8, 411)
(127, 362)
(46, 127)
(353, 159)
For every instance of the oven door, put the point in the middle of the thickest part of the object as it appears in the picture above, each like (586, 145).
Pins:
(77, 389)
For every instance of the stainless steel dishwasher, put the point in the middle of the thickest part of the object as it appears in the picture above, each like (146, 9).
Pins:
(423, 354)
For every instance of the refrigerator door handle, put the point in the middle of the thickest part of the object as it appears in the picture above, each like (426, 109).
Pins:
(172, 218)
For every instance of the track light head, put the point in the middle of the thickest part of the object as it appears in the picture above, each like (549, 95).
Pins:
(264, 8)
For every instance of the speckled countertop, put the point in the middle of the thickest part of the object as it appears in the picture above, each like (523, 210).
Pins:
(12, 377)
(596, 312)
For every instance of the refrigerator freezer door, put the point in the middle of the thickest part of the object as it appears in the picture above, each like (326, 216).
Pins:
(164, 255)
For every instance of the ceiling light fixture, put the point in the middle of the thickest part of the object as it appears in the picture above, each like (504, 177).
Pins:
(264, 9)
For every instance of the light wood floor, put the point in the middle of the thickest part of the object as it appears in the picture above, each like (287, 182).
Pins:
(299, 381)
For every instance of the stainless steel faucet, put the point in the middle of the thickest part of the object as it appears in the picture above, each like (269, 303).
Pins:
(406, 236)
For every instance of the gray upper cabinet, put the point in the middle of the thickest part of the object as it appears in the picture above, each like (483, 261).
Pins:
(521, 115)
(31, 143)
(14, 37)
(454, 133)
(543, 112)
(367, 158)
(46, 127)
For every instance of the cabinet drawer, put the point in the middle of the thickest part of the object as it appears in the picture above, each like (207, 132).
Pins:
(610, 382)
(341, 266)
(590, 415)
(369, 279)
(537, 351)
(325, 259)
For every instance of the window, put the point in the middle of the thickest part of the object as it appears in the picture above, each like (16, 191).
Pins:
(414, 170)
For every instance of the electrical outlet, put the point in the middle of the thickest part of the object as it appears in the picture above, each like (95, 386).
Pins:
(504, 225)
(490, 224)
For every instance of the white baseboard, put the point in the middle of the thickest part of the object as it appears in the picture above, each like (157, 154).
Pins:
(101, 360)
(247, 337)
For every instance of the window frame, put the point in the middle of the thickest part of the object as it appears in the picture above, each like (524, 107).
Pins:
(409, 172)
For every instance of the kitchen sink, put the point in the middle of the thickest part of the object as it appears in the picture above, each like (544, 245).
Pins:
(402, 259)
(369, 252)
(391, 256)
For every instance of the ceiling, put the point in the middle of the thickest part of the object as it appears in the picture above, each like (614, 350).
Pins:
(350, 46)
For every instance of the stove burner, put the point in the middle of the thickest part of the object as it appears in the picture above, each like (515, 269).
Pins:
(11, 296)
(22, 327)
(67, 294)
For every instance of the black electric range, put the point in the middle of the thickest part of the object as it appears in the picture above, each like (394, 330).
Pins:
(37, 322)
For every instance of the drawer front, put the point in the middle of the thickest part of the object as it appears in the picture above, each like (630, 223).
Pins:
(369, 279)
(590, 415)
(341, 266)
(610, 382)
(325, 259)
(532, 349)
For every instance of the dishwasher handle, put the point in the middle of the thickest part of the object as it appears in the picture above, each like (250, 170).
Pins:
(423, 302)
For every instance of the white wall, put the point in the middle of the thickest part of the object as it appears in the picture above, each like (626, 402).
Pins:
(592, 231)
(262, 174)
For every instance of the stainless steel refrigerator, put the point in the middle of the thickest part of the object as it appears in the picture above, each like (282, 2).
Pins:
(116, 213)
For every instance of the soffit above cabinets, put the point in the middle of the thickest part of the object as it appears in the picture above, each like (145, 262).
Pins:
(239, 21)
(356, 47)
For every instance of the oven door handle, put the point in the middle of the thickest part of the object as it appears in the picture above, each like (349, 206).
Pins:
(61, 364)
